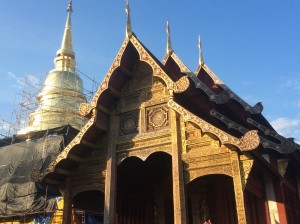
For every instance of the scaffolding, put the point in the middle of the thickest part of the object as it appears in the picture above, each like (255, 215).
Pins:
(26, 106)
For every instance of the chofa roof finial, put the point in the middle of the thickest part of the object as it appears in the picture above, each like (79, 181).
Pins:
(169, 43)
(201, 61)
(128, 25)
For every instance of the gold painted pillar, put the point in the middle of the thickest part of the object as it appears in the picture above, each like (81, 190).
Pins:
(68, 202)
(238, 188)
(179, 200)
(111, 173)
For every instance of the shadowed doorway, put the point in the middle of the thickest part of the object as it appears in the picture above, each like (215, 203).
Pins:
(211, 198)
(144, 190)
(88, 206)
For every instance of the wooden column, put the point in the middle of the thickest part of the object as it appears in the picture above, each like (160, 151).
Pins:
(180, 216)
(110, 179)
(68, 202)
(238, 188)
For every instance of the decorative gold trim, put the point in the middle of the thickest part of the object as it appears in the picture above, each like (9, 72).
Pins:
(181, 85)
(238, 188)
(249, 141)
(246, 164)
(85, 109)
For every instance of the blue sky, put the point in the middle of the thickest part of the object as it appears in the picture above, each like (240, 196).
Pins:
(253, 46)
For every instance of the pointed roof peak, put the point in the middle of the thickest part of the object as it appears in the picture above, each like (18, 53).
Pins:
(128, 25)
(66, 49)
(169, 43)
(201, 61)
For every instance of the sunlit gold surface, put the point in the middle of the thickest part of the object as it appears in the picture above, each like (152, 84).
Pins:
(62, 92)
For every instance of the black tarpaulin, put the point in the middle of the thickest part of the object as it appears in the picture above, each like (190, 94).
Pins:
(19, 195)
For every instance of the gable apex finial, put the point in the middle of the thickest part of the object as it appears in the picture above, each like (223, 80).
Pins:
(169, 43)
(201, 61)
(128, 25)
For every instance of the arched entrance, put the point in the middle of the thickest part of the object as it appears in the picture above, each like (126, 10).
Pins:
(211, 198)
(144, 190)
(88, 206)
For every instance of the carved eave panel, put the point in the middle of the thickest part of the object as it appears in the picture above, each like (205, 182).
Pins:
(286, 146)
(248, 142)
(66, 154)
(227, 93)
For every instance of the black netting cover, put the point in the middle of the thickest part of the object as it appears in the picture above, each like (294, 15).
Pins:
(19, 195)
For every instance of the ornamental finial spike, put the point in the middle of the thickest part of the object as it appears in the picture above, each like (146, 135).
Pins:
(201, 61)
(169, 43)
(70, 9)
(128, 25)
(65, 56)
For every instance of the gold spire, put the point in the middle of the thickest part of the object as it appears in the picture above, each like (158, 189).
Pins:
(169, 44)
(65, 55)
(128, 25)
(201, 61)
(62, 92)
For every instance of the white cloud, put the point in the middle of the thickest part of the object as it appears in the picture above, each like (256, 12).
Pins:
(30, 80)
(288, 127)
(292, 82)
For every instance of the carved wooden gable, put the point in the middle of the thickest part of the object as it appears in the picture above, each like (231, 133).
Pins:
(142, 114)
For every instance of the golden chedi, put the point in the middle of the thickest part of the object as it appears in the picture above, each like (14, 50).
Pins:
(62, 92)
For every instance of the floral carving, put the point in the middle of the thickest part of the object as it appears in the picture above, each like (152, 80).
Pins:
(181, 85)
(129, 123)
(85, 109)
(157, 117)
(249, 141)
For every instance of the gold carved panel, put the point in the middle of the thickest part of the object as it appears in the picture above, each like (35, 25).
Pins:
(200, 144)
(157, 117)
(246, 164)
(129, 123)
(143, 154)
(191, 175)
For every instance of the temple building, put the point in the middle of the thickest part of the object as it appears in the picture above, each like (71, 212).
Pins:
(165, 145)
